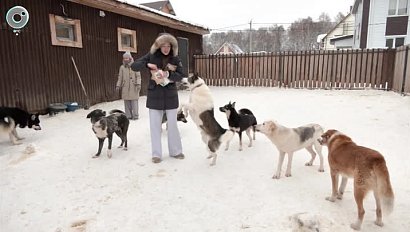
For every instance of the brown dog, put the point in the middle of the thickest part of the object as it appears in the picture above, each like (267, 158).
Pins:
(368, 169)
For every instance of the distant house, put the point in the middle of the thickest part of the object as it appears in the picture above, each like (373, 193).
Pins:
(164, 6)
(229, 48)
(39, 66)
(341, 36)
(381, 23)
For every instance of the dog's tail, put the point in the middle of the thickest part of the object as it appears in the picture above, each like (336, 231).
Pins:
(8, 122)
(116, 111)
(383, 186)
(227, 136)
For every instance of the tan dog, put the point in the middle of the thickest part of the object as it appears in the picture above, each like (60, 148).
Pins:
(289, 140)
(368, 169)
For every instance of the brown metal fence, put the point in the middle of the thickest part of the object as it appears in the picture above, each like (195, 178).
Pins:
(342, 69)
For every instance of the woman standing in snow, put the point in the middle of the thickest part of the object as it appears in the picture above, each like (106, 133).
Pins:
(129, 82)
(162, 97)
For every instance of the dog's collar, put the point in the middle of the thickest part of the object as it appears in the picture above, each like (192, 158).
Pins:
(197, 86)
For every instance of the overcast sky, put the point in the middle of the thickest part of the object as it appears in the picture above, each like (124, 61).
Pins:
(216, 14)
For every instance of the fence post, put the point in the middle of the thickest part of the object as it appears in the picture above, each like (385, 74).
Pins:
(403, 83)
(280, 69)
(390, 59)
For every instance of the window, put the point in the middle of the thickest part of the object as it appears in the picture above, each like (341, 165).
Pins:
(65, 31)
(394, 42)
(127, 40)
(398, 7)
(389, 43)
(399, 42)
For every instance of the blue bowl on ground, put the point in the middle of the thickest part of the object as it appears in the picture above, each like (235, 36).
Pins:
(71, 106)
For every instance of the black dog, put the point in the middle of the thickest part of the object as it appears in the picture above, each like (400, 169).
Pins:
(105, 127)
(239, 122)
(180, 117)
(11, 117)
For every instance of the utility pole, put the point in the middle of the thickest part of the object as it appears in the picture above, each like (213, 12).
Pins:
(250, 36)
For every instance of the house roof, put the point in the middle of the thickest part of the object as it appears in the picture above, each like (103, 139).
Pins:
(355, 6)
(144, 13)
(337, 25)
(342, 37)
(234, 48)
(159, 5)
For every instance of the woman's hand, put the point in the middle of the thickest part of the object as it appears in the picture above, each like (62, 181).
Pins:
(157, 76)
(152, 66)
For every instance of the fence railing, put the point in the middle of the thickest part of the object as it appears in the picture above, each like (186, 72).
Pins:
(342, 69)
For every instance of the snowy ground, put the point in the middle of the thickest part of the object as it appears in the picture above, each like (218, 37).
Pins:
(51, 183)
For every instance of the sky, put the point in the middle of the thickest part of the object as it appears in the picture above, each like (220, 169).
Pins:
(51, 183)
(224, 14)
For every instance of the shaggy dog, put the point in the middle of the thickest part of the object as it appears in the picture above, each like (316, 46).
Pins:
(239, 122)
(368, 169)
(105, 126)
(289, 140)
(11, 117)
(201, 108)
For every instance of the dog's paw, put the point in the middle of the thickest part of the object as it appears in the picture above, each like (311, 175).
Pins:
(276, 177)
(95, 156)
(288, 174)
(125, 149)
(308, 164)
(212, 164)
(331, 199)
(321, 170)
(379, 222)
(356, 225)
(120, 146)
(17, 143)
(109, 154)
(340, 196)
(209, 156)
(20, 138)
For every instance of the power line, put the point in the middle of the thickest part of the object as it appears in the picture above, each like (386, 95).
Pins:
(313, 24)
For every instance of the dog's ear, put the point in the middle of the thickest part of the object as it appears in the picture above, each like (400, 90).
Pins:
(233, 104)
(104, 113)
(33, 117)
(89, 115)
(271, 126)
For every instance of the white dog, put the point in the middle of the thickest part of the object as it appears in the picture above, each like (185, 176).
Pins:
(289, 140)
(201, 108)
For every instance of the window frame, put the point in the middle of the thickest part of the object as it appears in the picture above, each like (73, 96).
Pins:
(396, 9)
(394, 40)
(133, 33)
(77, 42)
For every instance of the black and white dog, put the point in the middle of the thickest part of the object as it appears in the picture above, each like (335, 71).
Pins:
(180, 117)
(105, 126)
(239, 122)
(201, 108)
(11, 117)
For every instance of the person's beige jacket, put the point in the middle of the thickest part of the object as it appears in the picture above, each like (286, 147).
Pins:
(129, 82)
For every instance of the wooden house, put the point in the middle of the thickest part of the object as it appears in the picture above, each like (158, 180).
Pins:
(71, 50)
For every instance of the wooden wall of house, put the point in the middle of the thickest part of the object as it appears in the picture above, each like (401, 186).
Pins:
(34, 73)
